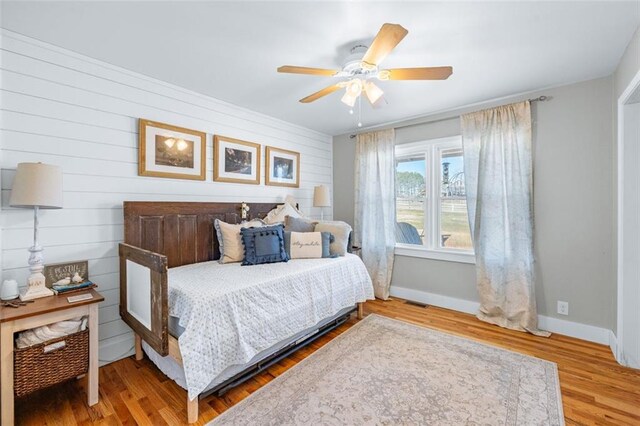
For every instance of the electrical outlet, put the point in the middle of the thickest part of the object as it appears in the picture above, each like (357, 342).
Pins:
(563, 307)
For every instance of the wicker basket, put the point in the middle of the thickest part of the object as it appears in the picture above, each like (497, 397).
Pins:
(36, 369)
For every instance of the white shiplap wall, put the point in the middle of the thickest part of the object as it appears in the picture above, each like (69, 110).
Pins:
(63, 108)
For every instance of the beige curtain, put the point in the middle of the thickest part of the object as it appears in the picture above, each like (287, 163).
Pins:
(375, 207)
(499, 186)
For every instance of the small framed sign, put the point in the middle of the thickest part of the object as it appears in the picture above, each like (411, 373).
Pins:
(58, 273)
(283, 167)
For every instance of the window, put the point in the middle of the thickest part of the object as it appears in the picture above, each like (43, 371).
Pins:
(431, 205)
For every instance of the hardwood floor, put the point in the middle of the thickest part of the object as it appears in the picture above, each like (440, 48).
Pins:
(595, 389)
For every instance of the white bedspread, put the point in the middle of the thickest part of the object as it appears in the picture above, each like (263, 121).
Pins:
(232, 312)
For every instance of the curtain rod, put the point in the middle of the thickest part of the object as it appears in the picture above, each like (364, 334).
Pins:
(542, 98)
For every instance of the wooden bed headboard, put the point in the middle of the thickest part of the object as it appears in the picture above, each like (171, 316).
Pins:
(182, 231)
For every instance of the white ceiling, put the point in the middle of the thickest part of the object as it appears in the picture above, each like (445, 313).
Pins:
(230, 50)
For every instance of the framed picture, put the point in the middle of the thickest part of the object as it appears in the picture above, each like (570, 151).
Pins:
(171, 152)
(283, 167)
(76, 272)
(235, 161)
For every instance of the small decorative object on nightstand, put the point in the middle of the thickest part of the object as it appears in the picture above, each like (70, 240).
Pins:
(37, 186)
(321, 198)
(9, 290)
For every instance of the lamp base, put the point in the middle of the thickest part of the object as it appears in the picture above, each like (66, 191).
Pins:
(37, 288)
(36, 293)
(33, 293)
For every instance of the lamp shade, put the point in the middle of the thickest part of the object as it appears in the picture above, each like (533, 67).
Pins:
(321, 196)
(37, 185)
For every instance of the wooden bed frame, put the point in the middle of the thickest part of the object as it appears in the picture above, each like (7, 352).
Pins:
(162, 235)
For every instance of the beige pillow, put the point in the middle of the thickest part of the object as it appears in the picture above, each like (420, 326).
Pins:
(341, 231)
(230, 239)
(278, 214)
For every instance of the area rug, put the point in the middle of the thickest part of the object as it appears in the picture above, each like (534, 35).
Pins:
(388, 372)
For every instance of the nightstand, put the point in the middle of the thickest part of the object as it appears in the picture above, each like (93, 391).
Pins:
(41, 312)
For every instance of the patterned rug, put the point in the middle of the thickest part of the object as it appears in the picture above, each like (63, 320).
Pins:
(388, 372)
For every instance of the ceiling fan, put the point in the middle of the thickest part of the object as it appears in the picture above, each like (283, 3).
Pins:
(363, 65)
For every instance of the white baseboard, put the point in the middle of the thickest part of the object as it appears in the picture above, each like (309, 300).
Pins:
(613, 344)
(587, 332)
(575, 329)
(439, 300)
(631, 362)
(622, 357)
(115, 348)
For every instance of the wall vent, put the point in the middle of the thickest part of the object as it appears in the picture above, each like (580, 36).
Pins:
(411, 302)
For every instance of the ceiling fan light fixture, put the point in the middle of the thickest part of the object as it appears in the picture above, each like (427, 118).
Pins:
(349, 98)
(355, 87)
(374, 93)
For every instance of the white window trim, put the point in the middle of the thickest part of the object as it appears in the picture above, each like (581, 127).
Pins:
(434, 182)
(450, 255)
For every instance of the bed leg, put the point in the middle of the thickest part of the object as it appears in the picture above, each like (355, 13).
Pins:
(192, 409)
(138, 346)
(360, 313)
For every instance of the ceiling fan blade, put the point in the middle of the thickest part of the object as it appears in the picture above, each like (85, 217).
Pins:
(324, 92)
(425, 73)
(387, 38)
(306, 70)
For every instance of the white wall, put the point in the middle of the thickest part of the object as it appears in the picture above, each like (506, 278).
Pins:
(630, 240)
(628, 314)
(63, 108)
(573, 204)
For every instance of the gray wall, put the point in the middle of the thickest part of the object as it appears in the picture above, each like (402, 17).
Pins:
(573, 201)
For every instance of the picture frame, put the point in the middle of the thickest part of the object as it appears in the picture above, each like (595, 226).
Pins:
(236, 161)
(169, 151)
(282, 167)
(58, 271)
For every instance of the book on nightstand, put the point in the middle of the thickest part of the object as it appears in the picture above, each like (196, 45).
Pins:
(72, 288)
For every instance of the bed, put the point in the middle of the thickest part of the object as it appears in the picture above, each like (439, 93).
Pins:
(210, 326)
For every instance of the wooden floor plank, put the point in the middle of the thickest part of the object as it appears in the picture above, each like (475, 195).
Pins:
(596, 390)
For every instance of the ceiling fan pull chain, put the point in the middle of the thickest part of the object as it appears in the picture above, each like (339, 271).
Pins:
(359, 111)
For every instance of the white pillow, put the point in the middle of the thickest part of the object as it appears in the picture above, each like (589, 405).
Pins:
(278, 214)
(230, 239)
(307, 245)
(341, 231)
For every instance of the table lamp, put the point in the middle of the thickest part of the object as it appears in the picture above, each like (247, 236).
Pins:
(37, 186)
(321, 198)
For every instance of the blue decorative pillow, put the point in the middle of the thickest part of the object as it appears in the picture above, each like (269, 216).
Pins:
(263, 245)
